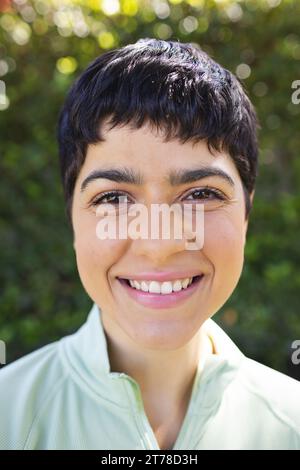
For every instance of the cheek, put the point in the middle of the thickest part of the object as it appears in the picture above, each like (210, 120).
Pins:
(95, 258)
(224, 249)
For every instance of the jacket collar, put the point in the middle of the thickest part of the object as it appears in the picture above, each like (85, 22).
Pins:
(86, 355)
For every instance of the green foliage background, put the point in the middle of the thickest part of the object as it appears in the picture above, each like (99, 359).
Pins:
(43, 46)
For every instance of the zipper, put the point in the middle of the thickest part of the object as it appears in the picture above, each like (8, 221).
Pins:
(135, 396)
(136, 401)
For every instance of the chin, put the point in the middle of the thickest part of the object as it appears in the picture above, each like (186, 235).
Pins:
(161, 335)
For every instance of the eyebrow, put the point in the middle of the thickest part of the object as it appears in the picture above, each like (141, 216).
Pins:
(122, 175)
(178, 177)
(175, 177)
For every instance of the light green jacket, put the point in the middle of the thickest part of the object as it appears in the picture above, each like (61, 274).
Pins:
(63, 396)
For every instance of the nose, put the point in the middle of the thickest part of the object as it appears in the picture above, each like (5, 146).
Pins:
(160, 241)
(157, 251)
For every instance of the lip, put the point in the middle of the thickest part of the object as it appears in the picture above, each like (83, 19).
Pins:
(160, 300)
(160, 276)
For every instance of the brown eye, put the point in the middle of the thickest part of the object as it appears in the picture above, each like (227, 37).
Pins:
(207, 194)
(112, 197)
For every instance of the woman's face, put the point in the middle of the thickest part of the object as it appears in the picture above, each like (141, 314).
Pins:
(102, 262)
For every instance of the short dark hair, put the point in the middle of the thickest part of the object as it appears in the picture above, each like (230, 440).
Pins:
(174, 86)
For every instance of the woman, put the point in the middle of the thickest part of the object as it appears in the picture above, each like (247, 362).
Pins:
(156, 122)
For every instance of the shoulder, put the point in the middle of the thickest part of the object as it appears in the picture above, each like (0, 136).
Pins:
(273, 394)
(25, 387)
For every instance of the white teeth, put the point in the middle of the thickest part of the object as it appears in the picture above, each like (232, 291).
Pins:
(165, 287)
(144, 286)
(154, 287)
(177, 286)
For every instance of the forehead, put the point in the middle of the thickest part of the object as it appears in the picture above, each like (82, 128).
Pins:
(145, 151)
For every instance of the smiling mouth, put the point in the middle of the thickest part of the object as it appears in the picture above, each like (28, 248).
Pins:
(195, 280)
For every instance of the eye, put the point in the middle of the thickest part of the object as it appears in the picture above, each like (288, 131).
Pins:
(112, 197)
(209, 194)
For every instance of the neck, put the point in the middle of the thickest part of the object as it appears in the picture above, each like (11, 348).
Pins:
(156, 371)
(165, 377)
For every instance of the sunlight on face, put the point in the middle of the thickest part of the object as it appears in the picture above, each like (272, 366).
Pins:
(100, 262)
